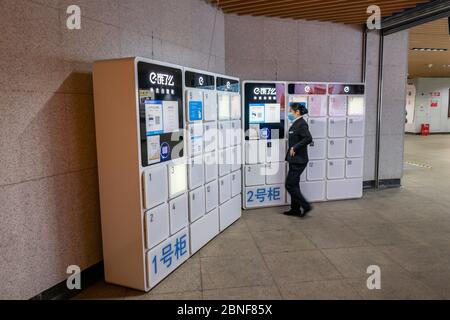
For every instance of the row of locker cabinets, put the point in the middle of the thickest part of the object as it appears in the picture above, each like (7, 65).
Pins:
(208, 137)
(263, 151)
(275, 173)
(169, 218)
(336, 127)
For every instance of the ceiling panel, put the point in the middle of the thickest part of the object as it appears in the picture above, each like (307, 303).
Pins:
(341, 11)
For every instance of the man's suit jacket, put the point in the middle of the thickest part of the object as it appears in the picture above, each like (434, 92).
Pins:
(299, 139)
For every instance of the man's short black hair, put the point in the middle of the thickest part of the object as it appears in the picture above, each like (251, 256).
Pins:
(298, 106)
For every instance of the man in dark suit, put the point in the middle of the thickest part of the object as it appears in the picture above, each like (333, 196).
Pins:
(297, 157)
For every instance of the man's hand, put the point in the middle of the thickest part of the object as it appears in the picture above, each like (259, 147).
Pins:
(292, 152)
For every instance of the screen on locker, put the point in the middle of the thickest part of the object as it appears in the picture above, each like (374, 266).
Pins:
(264, 111)
(160, 113)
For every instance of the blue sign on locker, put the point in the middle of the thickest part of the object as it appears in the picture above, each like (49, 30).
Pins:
(264, 195)
(195, 110)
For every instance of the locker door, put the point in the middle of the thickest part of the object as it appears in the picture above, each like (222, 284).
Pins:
(336, 148)
(337, 127)
(212, 195)
(355, 106)
(355, 127)
(197, 204)
(344, 189)
(318, 106)
(313, 191)
(251, 151)
(276, 151)
(262, 151)
(236, 158)
(336, 169)
(194, 105)
(235, 132)
(235, 107)
(178, 214)
(210, 137)
(355, 148)
(275, 173)
(318, 127)
(157, 225)
(224, 189)
(236, 183)
(254, 175)
(355, 168)
(211, 166)
(156, 186)
(224, 134)
(196, 172)
(224, 162)
(338, 106)
(223, 102)
(318, 150)
(204, 230)
(210, 99)
(195, 139)
(316, 170)
(230, 212)
(177, 179)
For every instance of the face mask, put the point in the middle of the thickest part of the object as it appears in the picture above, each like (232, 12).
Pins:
(291, 117)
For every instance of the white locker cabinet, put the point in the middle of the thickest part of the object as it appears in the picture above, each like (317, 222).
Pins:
(230, 212)
(224, 130)
(211, 166)
(210, 137)
(212, 195)
(355, 127)
(255, 175)
(236, 183)
(194, 96)
(338, 106)
(337, 127)
(224, 162)
(178, 214)
(275, 151)
(235, 132)
(224, 189)
(336, 148)
(177, 178)
(318, 127)
(262, 151)
(197, 204)
(355, 148)
(156, 186)
(275, 173)
(313, 190)
(316, 170)
(195, 139)
(157, 225)
(196, 172)
(210, 106)
(336, 169)
(236, 158)
(318, 149)
(344, 189)
(354, 168)
(204, 230)
(251, 151)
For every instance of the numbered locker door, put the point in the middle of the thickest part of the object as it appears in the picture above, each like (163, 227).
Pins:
(224, 189)
(196, 172)
(224, 134)
(354, 168)
(276, 151)
(197, 204)
(251, 151)
(316, 170)
(318, 127)
(355, 127)
(275, 173)
(212, 195)
(336, 169)
(236, 158)
(318, 150)
(210, 106)
(178, 214)
(195, 139)
(210, 137)
(355, 148)
(255, 175)
(156, 186)
(225, 161)
(236, 183)
(235, 133)
(336, 148)
(337, 127)
(157, 225)
(211, 166)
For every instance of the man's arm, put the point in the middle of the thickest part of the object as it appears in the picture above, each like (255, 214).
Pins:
(305, 136)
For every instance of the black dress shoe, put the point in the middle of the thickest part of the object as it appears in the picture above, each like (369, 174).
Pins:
(305, 212)
(292, 213)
